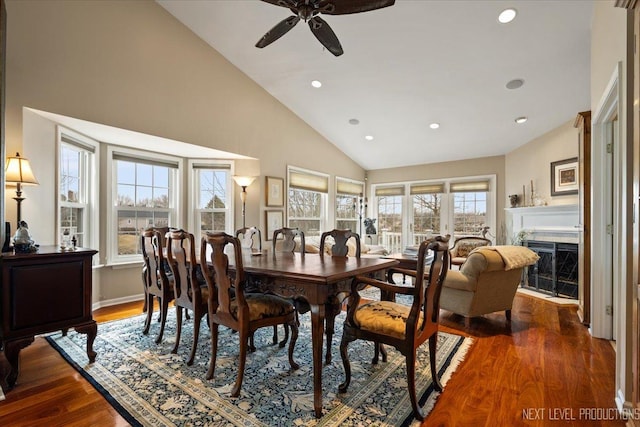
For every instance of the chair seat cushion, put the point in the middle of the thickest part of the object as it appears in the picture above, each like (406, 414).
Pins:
(383, 317)
(262, 306)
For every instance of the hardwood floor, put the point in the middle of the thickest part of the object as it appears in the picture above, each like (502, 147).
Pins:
(545, 367)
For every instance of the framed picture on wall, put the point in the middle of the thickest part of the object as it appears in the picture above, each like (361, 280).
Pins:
(273, 221)
(274, 190)
(564, 177)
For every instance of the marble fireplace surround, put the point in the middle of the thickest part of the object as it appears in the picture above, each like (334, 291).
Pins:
(554, 223)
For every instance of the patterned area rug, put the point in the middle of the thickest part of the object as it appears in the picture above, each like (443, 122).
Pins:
(150, 386)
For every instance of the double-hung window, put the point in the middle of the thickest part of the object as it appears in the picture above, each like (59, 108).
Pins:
(77, 202)
(349, 204)
(307, 200)
(212, 197)
(469, 206)
(144, 194)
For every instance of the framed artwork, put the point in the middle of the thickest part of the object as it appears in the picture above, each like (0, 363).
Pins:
(275, 191)
(273, 220)
(564, 177)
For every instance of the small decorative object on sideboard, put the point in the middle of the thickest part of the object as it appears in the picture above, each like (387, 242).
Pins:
(22, 242)
(514, 199)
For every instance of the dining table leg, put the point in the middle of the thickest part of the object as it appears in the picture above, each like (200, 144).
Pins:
(317, 332)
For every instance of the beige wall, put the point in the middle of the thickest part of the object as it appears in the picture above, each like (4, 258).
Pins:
(532, 162)
(130, 64)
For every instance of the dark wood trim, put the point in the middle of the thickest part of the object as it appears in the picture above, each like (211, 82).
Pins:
(583, 124)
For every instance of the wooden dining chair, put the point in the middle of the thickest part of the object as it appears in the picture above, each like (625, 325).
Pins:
(190, 288)
(284, 240)
(401, 326)
(159, 283)
(340, 248)
(248, 237)
(230, 306)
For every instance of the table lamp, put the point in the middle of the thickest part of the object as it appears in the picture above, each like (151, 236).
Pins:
(18, 171)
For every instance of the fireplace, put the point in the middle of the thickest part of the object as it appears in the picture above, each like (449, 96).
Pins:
(556, 272)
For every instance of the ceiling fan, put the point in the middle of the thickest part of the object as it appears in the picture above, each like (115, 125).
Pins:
(308, 10)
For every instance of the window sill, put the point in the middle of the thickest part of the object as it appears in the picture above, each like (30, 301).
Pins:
(123, 265)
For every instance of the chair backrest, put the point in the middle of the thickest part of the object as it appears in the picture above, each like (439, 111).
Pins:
(153, 256)
(464, 245)
(247, 235)
(228, 285)
(163, 234)
(287, 242)
(340, 238)
(181, 256)
(426, 298)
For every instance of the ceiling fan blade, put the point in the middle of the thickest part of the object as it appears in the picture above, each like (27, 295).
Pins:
(284, 3)
(344, 7)
(278, 31)
(325, 35)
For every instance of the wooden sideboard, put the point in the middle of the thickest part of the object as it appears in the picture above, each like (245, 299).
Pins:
(42, 292)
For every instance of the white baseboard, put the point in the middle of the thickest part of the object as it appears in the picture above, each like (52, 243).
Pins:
(116, 301)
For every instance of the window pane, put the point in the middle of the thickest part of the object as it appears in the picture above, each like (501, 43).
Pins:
(469, 212)
(390, 222)
(128, 231)
(144, 174)
(161, 197)
(305, 210)
(144, 196)
(126, 195)
(126, 172)
(426, 216)
(161, 176)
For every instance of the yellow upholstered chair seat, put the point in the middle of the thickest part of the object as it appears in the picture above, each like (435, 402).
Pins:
(262, 306)
(384, 317)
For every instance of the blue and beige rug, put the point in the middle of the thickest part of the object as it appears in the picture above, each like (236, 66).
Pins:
(150, 386)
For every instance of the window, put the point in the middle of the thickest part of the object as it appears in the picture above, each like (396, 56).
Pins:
(349, 204)
(77, 204)
(307, 201)
(410, 212)
(469, 207)
(427, 210)
(145, 196)
(213, 200)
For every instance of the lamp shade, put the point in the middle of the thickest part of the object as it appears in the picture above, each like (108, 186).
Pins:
(18, 170)
(244, 181)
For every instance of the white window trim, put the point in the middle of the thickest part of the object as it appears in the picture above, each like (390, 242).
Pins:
(92, 233)
(192, 197)
(111, 228)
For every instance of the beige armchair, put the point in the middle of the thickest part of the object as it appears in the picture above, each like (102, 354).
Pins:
(487, 282)
(463, 246)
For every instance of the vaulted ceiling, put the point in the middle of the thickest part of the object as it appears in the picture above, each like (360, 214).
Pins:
(412, 64)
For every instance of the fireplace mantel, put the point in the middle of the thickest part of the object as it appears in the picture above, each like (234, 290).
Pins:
(555, 223)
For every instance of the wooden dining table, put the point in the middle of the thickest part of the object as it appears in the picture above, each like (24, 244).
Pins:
(316, 279)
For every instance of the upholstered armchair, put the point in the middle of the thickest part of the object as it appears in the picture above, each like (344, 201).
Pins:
(487, 282)
(463, 246)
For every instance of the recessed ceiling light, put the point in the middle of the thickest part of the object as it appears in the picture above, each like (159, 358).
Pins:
(316, 83)
(434, 125)
(515, 84)
(354, 121)
(521, 120)
(369, 138)
(507, 16)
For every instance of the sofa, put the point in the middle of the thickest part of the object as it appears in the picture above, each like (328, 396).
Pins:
(486, 282)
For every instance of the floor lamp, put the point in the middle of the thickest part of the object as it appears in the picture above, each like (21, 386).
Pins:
(18, 171)
(244, 182)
